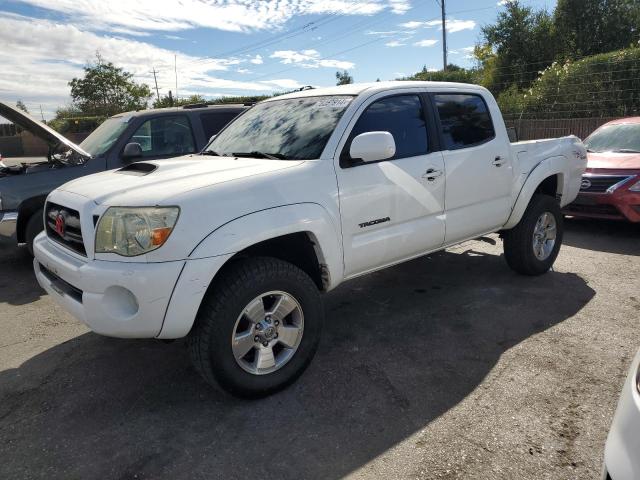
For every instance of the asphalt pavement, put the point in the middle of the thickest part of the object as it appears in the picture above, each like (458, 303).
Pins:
(447, 367)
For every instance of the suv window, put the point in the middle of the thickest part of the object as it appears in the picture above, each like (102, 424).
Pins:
(403, 117)
(213, 122)
(464, 119)
(165, 136)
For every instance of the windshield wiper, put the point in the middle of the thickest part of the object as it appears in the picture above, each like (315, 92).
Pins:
(626, 150)
(256, 154)
(211, 153)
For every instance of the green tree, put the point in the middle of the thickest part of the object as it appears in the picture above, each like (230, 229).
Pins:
(343, 78)
(520, 43)
(106, 90)
(20, 104)
(169, 101)
(453, 73)
(590, 27)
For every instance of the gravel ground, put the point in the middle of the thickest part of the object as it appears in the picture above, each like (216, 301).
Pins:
(446, 367)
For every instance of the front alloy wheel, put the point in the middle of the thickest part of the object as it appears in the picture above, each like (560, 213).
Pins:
(268, 332)
(258, 327)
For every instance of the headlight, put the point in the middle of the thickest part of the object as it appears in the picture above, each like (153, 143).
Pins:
(131, 231)
(635, 187)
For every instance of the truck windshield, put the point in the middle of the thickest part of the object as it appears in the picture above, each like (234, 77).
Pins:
(623, 138)
(291, 129)
(104, 136)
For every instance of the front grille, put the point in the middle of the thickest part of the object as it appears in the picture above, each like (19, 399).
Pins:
(600, 183)
(63, 226)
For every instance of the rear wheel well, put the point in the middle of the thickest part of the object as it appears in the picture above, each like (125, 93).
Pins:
(25, 211)
(549, 186)
(298, 249)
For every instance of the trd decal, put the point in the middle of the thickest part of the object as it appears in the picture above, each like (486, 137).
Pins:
(374, 222)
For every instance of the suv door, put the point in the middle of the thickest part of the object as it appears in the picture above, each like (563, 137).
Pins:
(392, 210)
(478, 166)
(164, 136)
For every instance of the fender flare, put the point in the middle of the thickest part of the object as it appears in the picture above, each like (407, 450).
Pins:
(547, 168)
(213, 252)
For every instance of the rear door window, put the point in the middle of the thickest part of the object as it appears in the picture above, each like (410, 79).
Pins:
(164, 136)
(464, 120)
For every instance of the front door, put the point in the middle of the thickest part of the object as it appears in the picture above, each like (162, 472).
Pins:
(392, 210)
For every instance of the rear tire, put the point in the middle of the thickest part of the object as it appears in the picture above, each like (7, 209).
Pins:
(532, 246)
(256, 306)
(34, 226)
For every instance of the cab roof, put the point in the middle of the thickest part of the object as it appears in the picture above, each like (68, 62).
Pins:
(375, 87)
(194, 107)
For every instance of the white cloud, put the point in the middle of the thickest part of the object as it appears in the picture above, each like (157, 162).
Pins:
(395, 43)
(309, 59)
(257, 60)
(425, 43)
(243, 70)
(44, 56)
(504, 2)
(139, 16)
(453, 25)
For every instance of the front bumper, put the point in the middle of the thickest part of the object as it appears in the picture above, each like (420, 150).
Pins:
(618, 202)
(117, 299)
(8, 223)
(624, 206)
(621, 458)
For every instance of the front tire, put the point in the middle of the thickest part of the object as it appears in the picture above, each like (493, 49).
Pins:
(532, 246)
(34, 226)
(258, 327)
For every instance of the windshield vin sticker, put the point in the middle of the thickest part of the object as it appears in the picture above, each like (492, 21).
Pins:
(336, 102)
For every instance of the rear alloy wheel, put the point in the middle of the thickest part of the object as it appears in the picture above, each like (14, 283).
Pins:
(258, 327)
(532, 246)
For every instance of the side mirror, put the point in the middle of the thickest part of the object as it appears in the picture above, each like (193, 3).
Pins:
(131, 151)
(373, 146)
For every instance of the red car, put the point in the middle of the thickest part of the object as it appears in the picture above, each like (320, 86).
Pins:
(611, 184)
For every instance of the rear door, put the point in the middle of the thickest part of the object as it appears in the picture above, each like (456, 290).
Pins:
(392, 210)
(477, 163)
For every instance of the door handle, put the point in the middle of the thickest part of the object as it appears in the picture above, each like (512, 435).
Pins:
(431, 174)
(498, 161)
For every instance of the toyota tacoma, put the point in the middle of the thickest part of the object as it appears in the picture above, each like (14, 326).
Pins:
(233, 247)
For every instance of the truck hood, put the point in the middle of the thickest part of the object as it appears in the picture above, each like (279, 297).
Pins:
(155, 182)
(613, 161)
(38, 128)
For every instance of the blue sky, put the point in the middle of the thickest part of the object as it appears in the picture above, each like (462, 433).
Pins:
(229, 47)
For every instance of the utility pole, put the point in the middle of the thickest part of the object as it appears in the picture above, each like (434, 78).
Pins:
(175, 69)
(42, 114)
(444, 35)
(156, 80)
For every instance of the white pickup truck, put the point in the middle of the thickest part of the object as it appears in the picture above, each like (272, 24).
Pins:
(233, 247)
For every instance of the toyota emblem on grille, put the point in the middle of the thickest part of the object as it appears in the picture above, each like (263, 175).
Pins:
(586, 184)
(60, 225)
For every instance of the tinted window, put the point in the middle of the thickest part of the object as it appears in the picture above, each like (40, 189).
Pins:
(402, 116)
(294, 128)
(213, 122)
(165, 136)
(465, 120)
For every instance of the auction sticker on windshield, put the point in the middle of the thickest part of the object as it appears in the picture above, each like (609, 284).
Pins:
(333, 102)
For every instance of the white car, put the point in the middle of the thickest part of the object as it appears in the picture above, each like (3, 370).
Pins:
(233, 247)
(622, 451)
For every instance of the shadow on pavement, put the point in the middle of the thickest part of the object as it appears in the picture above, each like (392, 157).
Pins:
(18, 285)
(400, 348)
(603, 235)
